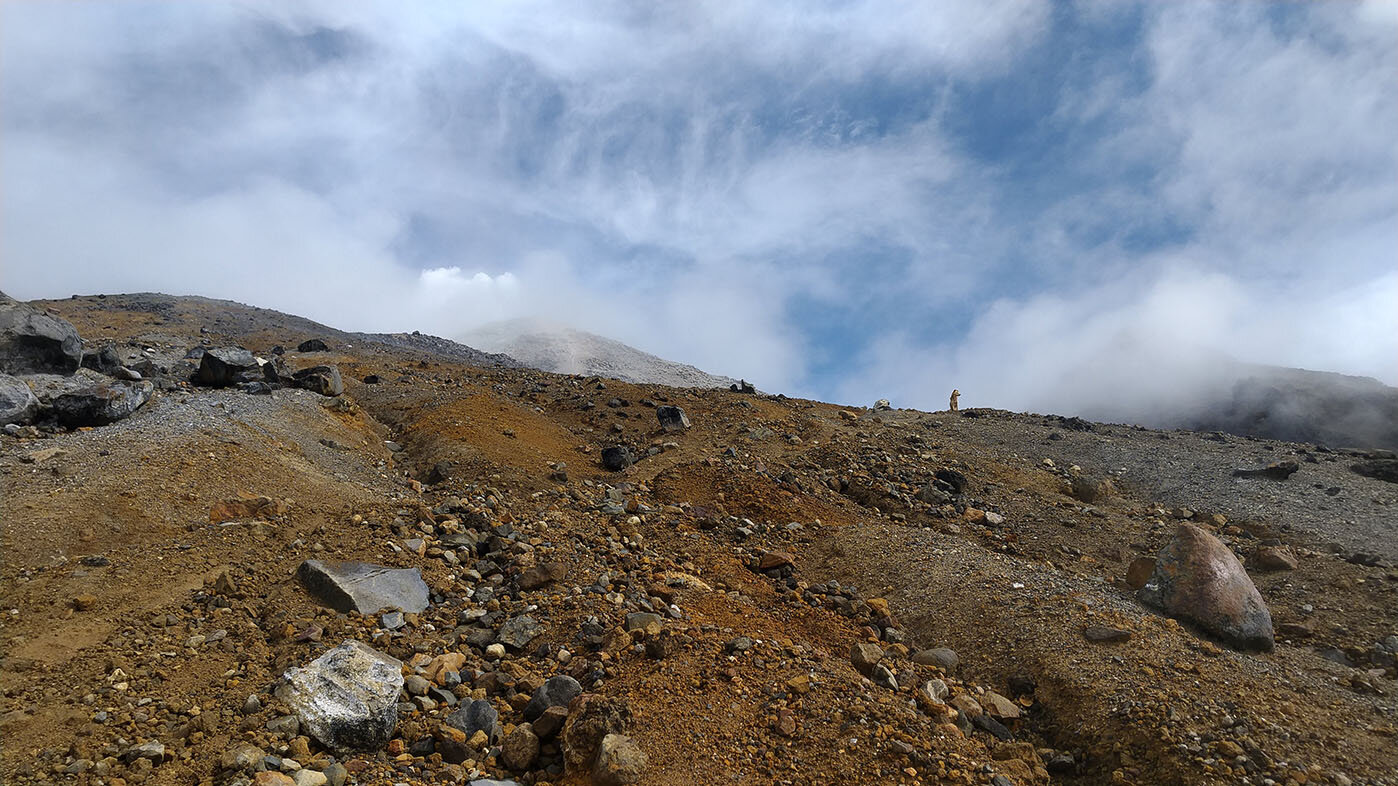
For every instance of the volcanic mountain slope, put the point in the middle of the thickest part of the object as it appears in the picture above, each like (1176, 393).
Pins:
(564, 350)
(708, 597)
(1197, 388)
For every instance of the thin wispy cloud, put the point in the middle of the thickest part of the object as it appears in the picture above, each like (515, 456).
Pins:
(846, 200)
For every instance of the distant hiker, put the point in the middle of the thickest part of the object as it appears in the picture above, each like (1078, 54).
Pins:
(955, 394)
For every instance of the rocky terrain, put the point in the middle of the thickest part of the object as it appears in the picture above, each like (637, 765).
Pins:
(309, 557)
(565, 350)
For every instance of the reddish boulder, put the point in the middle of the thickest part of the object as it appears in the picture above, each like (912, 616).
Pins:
(1199, 580)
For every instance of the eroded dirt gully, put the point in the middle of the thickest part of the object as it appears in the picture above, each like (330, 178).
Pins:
(111, 566)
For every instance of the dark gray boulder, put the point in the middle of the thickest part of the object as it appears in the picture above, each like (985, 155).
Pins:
(226, 366)
(615, 459)
(312, 345)
(1199, 580)
(557, 691)
(33, 342)
(672, 418)
(100, 404)
(477, 716)
(17, 401)
(324, 380)
(1385, 469)
(347, 698)
(363, 587)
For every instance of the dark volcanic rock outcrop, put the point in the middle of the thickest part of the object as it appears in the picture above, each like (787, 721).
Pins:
(226, 366)
(100, 404)
(33, 342)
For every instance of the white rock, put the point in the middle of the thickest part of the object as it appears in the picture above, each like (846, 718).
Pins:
(346, 698)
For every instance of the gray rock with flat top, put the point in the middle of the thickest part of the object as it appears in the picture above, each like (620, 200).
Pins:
(364, 587)
(100, 404)
(224, 366)
(347, 698)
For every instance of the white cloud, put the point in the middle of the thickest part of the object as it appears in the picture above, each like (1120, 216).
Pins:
(672, 175)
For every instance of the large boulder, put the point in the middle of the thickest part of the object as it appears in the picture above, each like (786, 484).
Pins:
(346, 698)
(478, 715)
(224, 366)
(363, 587)
(17, 401)
(617, 458)
(33, 342)
(100, 404)
(557, 691)
(1199, 580)
(672, 418)
(1385, 469)
(324, 380)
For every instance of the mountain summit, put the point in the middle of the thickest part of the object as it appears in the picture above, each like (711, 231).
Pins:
(559, 349)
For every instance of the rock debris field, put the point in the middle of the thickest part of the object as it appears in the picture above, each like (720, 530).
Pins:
(244, 548)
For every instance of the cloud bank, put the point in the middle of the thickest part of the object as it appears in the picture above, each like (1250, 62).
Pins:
(1072, 207)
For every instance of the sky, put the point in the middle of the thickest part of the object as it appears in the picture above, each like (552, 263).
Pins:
(1050, 206)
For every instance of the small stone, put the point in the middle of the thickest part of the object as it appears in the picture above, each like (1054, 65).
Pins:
(620, 761)
(940, 657)
(304, 777)
(864, 656)
(521, 748)
(519, 631)
(84, 602)
(644, 621)
(152, 751)
(550, 722)
(884, 678)
(495, 651)
(1138, 572)
(335, 774)
(477, 717)
(775, 559)
(1101, 633)
(269, 778)
(1274, 558)
(999, 706)
(557, 691)
(242, 757)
